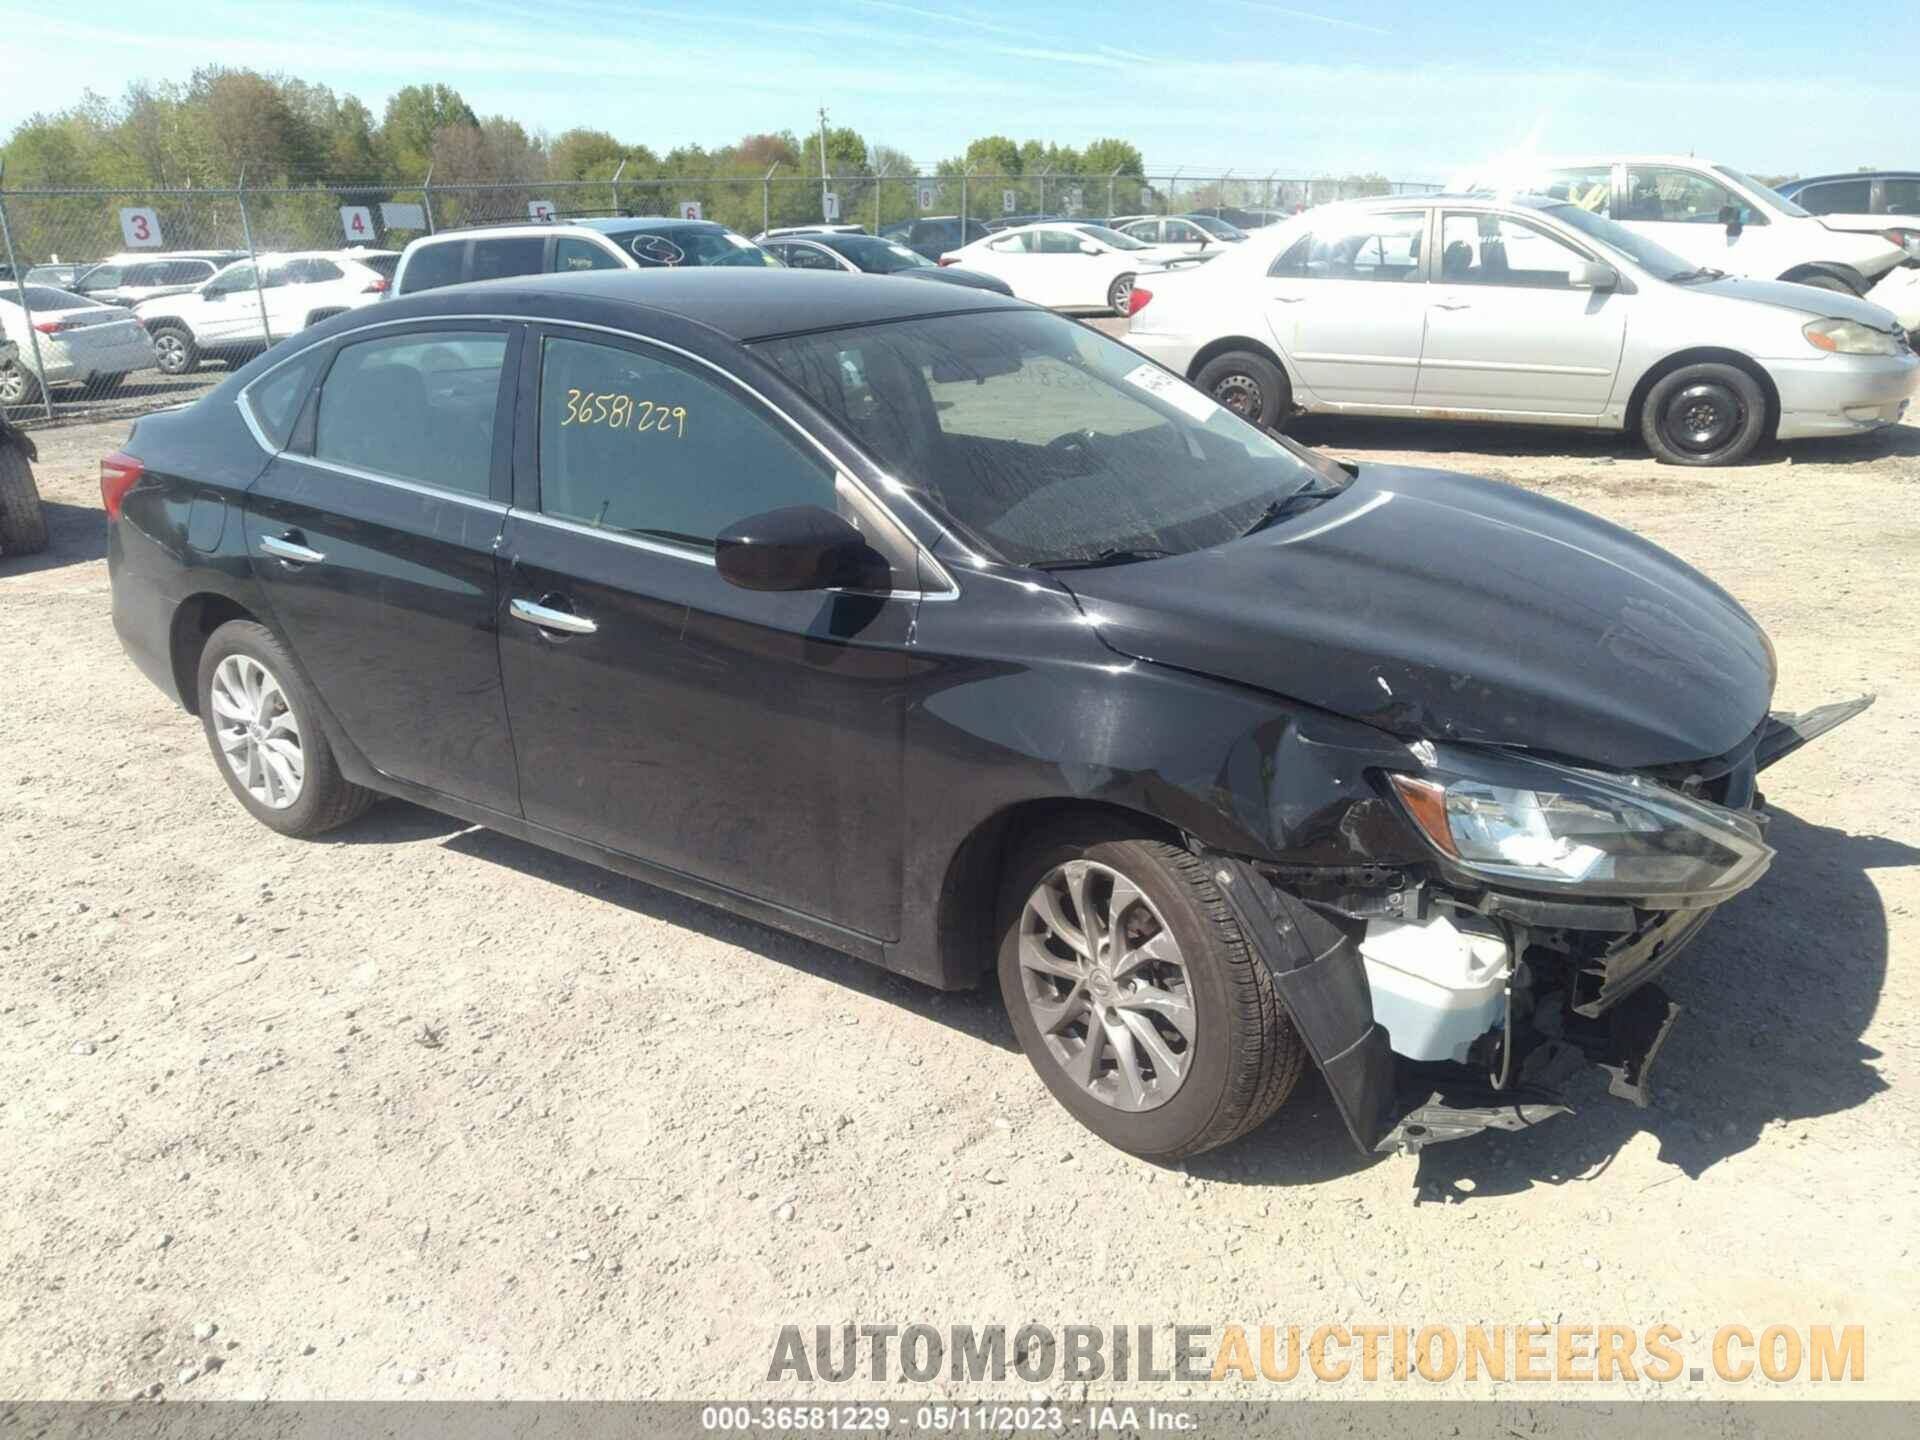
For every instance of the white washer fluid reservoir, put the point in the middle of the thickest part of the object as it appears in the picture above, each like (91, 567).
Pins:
(1436, 987)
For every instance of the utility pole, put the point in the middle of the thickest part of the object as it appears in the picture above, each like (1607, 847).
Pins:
(823, 162)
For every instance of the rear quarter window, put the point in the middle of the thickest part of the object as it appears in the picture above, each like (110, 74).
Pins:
(432, 266)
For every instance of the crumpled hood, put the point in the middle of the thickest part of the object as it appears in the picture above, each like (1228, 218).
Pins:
(1811, 301)
(1441, 606)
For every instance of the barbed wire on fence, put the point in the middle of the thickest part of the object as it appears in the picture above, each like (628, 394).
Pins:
(53, 235)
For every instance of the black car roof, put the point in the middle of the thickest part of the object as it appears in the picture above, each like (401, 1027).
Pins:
(743, 303)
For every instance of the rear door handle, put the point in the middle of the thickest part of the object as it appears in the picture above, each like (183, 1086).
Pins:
(547, 618)
(1289, 299)
(1451, 305)
(282, 547)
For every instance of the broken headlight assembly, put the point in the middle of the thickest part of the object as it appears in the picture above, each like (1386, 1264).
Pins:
(1541, 826)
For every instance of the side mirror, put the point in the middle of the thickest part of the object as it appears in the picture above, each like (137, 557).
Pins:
(1592, 275)
(1730, 217)
(801, 547)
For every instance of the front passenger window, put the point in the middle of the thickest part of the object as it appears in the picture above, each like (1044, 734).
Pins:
(415, 407)
(633, 443)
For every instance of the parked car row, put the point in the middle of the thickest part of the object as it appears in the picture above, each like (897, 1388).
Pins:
(1523, 309)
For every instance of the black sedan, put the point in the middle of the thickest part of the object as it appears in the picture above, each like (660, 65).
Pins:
(956, 636)
(871, 255)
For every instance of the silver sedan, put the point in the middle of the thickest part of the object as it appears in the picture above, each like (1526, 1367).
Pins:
(1521, 310)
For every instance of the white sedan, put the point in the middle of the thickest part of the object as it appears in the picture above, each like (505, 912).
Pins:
(71, 340)
(1065, 266)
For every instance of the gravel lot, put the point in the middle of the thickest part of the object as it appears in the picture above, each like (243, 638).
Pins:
(419, 1110)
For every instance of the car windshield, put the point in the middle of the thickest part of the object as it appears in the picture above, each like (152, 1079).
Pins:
(1766, 192)
(879, 257)
(1043, 442)
(1112, 239)
(1218, 227)
(692, 245)
(1655, 259)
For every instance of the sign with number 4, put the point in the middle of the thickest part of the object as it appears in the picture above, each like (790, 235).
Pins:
(540, 210)
(690, 210)
(141, 227)
(357, 221)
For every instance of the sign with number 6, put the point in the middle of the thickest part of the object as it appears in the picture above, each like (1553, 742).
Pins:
(690, 210)
(141, 227)
(357, 221)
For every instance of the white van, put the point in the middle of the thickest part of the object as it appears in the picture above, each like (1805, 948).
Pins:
(1723, 220)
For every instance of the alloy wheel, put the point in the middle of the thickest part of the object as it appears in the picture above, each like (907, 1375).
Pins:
(171, 352)
(13, 384)
(1121, 295)
(257, 731)
(1703, 418)
(1107, 987)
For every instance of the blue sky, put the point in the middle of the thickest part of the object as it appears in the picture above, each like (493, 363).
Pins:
(1412, 90)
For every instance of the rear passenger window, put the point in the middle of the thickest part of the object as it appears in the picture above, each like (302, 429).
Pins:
(1369, 247)
(635, 444)
(432, 266)
(571, 254)
(1836, 197)
(505, 255)
(415, 407)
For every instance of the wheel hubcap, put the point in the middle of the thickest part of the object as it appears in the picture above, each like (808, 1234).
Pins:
(257, 732)
(1107, 986)
(171, 352)
(1703, 418)
(1241, 395)
(1122, 293)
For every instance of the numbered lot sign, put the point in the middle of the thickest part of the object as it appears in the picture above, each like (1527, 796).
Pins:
(926, 197)
(1009, 201)
(1077, 199)
(830, 202)
(1146, 198)
(140, 227)
(690, 210)
(541, 210)
(357, 221)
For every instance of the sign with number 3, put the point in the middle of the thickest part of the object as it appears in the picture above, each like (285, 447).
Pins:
(141, 227)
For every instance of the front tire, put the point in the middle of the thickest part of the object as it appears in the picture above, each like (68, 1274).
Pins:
(1707, 414)
(1250, 385)
(1120, 295)
(262, 723)
(18, 385)
(1136, 996)
(174, 350)
(23, 524)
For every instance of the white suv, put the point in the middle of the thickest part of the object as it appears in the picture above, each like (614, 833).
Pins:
(1723, 220)
(230, 315)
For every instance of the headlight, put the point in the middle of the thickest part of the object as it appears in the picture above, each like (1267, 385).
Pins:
(1848, 337)
(1556, 827)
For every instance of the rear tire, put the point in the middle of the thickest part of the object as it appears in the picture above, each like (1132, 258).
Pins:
(1191, 1048)
(23, 524)
(1120, 295)
(1707, 414)
(263, 726)
(175, 350)
(18, 385)
(1250, 385)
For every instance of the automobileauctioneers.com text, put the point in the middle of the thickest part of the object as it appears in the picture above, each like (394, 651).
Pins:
(1434, 1354)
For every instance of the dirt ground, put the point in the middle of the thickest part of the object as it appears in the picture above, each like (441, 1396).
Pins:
(419, 1110)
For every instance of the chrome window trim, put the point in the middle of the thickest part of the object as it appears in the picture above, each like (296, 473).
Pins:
(923, 551)
(419, 487)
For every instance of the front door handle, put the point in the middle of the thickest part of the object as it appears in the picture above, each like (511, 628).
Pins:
(283, 547)
(1451, 305)
(1289, 299)
(547, 618)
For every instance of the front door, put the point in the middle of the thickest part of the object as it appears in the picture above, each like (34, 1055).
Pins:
(1505, 332)
(748, 740)
(373, 534)
(1346, 305)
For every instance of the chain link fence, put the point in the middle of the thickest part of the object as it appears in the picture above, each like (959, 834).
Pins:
(132, 299)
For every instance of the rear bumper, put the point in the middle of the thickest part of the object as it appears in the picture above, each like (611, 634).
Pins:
(1843, 394)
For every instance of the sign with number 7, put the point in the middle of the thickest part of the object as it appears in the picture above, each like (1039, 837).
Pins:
(141, 227)
(357, 221)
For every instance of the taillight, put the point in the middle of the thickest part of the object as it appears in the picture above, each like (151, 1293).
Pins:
(119, 472)
(1137, 301)
(378, 287)
(949, 259)
(54, 327)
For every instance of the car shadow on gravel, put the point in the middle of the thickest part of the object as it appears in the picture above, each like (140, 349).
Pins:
(1776, 995)
(975, 1013)
(76, 535)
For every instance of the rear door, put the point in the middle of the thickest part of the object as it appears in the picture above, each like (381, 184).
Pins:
(1505, 332)
(373, 535)
(1347, 305)
(749, 740)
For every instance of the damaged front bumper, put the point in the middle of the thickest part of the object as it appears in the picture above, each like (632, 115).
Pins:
(1437, 1009)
